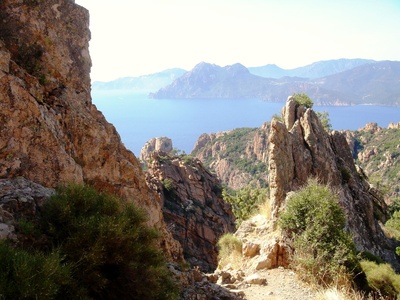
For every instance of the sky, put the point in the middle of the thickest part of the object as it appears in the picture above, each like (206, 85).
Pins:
(132, 38)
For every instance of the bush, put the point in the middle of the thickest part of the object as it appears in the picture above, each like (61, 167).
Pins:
(323, 252)
(325, 120)
(245, 202)
(303, 99)
(94, 246)
(381, 278)
(108, 245)
(26, 275)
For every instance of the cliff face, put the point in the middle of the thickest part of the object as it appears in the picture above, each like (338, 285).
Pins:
(193, 208)
(300, 148)
(50, 131)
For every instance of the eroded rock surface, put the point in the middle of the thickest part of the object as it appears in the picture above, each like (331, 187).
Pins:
(193, 207)
(159, 144)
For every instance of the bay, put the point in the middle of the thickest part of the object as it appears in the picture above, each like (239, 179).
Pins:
(138, 118)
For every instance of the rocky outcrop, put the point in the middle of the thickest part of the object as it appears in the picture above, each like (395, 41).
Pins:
(50, 131)
(159, 144)
(193, 207)
(300, 148)
(19, 199)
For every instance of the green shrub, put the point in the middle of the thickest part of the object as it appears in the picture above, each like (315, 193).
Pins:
(325, 120)
(381, 278)
(393, 225)
(245, 202)
(303, 99)
(26, 275)
(168, 184)
(93, 246)
(323, 252)
(112, 253)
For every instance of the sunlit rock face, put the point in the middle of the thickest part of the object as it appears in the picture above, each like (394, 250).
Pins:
(50, 132)
(300, 148)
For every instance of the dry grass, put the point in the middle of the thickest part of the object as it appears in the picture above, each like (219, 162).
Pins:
(335, 293)
(230, 250)
(265, 209)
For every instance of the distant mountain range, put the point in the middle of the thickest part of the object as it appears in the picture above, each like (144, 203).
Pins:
(142, 84)
(349, 82)
(329, 82)
(315, 70)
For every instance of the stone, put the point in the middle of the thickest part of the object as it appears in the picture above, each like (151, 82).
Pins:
(250, 249)
(255, 279)
(4, 59)
(159, 144)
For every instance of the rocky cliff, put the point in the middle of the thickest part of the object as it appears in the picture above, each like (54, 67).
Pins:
(50, 131)
(300, 148)
(193, 207)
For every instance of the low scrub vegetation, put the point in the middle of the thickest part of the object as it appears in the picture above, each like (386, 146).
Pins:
(303, 99)
(324, 252)
(382, 279)
(93, 246)
(230, 247)
(246, 202)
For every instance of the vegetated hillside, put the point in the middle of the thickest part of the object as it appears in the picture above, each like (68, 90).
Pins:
(238, 156)
(315, 70)
(377, 151)
(371, 83)
(142, 84)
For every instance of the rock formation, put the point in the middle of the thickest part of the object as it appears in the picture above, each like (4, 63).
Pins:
(19, 198)
(162, 144)
(51, 133)
(193, 207)
(300, 148)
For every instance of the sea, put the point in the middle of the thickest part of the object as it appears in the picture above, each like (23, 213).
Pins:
(139, 118)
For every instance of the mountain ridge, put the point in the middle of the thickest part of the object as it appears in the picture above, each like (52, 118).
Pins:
(314, 70)
(370, 83)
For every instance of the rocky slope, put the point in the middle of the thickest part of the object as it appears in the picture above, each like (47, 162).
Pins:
(51, 132)
(193, 208)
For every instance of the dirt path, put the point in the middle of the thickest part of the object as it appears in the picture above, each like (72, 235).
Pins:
(281, 284)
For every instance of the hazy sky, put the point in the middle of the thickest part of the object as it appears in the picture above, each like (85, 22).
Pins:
(133, 38)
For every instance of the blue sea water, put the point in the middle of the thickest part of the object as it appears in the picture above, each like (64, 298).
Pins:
(138, 118)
